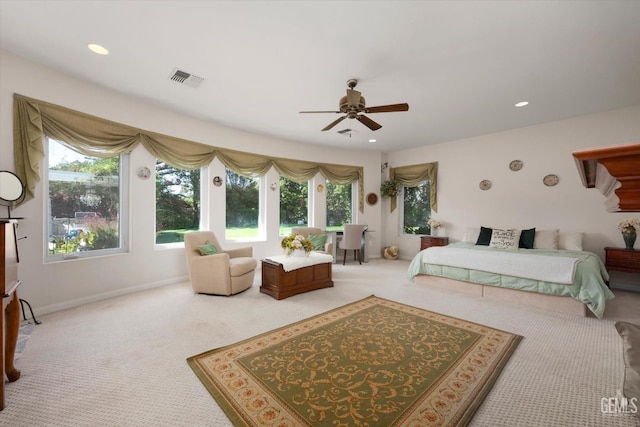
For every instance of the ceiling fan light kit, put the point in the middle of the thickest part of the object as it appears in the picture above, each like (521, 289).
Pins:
(353, 105)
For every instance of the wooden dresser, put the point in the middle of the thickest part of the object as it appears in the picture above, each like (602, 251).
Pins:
(429, 241)
(621, 259)
(10, 316)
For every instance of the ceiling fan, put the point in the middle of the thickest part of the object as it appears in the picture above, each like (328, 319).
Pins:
(353, 105)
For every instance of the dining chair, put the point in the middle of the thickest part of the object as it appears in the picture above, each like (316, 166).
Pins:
(352, 240)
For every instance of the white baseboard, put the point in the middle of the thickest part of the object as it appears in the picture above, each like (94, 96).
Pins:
(106, 295)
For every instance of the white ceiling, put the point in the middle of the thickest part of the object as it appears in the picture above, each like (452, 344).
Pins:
(460, 65)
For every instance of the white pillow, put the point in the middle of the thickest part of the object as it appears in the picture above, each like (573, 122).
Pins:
(505, 239)
(471, 234)
(546, 239)
(570, 241)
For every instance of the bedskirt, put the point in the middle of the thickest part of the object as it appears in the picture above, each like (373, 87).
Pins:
(562, 304)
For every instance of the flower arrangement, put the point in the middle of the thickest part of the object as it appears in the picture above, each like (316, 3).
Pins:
(296, 241)
(390, 189)
(434, 223)
(629, 223)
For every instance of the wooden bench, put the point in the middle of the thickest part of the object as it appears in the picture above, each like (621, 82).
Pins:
(280, 284)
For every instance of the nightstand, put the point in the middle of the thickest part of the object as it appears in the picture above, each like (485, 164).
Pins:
(622, 259)
(429, 241)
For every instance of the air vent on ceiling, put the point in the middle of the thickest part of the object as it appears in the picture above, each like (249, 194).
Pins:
(185, 78)
(346, 132)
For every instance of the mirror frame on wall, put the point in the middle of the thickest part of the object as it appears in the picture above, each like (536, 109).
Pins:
(12, 190)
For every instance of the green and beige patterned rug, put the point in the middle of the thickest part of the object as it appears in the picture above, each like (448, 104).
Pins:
(373, 362)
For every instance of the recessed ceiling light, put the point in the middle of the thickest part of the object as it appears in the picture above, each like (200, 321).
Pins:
(372, 140)
(522, 103)
(96, 48)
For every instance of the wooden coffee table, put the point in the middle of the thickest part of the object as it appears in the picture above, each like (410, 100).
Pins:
(283, 276)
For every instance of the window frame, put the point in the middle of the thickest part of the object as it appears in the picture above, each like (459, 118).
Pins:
(123, 211)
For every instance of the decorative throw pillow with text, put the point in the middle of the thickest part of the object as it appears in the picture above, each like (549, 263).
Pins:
(505, 239)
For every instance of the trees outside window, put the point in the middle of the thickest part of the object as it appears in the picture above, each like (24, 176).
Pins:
(416, 208)
(243, 206)
(177, 202)
(294, 205)
(339, 205)
(85, 206)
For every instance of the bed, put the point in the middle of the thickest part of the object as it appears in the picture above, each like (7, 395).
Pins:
(554, 274)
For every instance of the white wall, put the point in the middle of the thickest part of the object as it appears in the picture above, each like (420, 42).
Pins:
(517, 199)
(54, 286)
(520, 199)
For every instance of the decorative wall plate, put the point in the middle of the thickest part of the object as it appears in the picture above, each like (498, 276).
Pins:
(515, 165)
(217, 181)
(320, 188)
(485, 184)
(372, 198)
(143, 172)
(550, 180)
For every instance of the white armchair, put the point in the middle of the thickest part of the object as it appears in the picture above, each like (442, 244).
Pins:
(227, 272)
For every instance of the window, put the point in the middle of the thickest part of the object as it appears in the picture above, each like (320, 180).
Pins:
(243, 206)
(294, 205)
(339, 205)
(416, 208)
(177, 202)
(87, 204)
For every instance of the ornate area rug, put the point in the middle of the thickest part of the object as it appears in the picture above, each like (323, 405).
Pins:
(373, 362)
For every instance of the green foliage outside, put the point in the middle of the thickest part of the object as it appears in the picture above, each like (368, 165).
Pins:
(417, 209)
(294, 205)
(243, 206)
(177, 202)
(98, 195)
(177, 205)
(339, 206)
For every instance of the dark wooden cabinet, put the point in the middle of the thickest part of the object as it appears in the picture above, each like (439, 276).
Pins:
(622, 259)
(10, 315)
(429, 241)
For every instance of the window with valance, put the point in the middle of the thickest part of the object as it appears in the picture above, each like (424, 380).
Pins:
(94, 136)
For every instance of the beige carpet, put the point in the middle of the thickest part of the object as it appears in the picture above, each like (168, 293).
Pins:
(121, 362)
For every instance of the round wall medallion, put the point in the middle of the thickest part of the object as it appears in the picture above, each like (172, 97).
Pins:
(515, 165)
(372, 198)
(320, 188)
(217, 181)
(485, 184)
(143, 172)
(550, 180)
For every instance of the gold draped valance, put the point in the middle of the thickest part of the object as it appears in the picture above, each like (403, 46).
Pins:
(412, 176)
(94, 136)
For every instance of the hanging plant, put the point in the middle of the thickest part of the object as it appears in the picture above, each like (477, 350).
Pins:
(390, 189)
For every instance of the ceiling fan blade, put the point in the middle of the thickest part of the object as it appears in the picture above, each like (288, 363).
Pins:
(387, 108)
(336, 112)
(368, 122)
(353, 97)
(334, 123)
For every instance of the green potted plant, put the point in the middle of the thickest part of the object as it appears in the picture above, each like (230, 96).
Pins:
(390, 189)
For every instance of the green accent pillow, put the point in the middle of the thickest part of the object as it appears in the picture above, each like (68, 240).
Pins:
(526, 238)
(318, 241)
(208, 249)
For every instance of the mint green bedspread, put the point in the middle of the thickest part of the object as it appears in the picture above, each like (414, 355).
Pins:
(588, 285)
